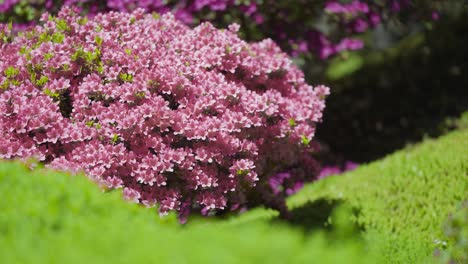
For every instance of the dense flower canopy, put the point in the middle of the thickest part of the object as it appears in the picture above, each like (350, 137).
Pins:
(185, 119)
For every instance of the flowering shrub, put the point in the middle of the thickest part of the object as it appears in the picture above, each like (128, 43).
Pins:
(178, 117)
(323, 28)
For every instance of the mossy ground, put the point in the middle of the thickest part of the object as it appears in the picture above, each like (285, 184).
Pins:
(400, 204)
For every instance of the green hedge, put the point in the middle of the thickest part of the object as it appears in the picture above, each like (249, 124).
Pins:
(50, 217)
(405, 198)
(402, 201)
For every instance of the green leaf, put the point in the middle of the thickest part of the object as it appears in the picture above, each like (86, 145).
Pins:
(43, 37)
(140, 95)
(242, 172)
(100, 68)
(32, 76)
(54, 95)
(5, 84)
(90, 123)
(126, 77)
(11, 72)
(43, 80)
(292, 122)
(48, 56)
(57, 37)
(156, 15)
(340, 67)
(83, 21)
(98, 40)
(62, 25)
(115, 139)
(305, 140)
(228, 49)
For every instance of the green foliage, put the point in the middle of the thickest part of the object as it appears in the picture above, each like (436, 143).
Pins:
(126, 77)
(403, 199)
(52, 94)
(62, 24)
(51, 217)
(11, 72)
(98, 40)
(340, 67)
(57, 37)
(305, 140)
(42, 81)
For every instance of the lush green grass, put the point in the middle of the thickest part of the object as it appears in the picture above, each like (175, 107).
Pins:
(50, 217)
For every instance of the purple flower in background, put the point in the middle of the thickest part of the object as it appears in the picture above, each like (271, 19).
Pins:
(184, 16)
(215, 5)
(278, 183)
(299, 48)
(22, 27)
(277, 180)
(349, 166)
(349, 44)
(374, 19)
(333, 170)
(249, 9)
(295, 188)
(258, 18)
(7, 4)
(353, 8)
(184, 211)
(329, 170)
(395, 6)
(334, 7)
(359, 25)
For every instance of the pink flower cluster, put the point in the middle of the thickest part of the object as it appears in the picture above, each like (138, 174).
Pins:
(185, 119)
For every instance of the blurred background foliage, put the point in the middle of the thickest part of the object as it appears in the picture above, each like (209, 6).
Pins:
(383, 100)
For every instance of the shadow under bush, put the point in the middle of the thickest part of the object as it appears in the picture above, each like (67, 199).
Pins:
(335, 217)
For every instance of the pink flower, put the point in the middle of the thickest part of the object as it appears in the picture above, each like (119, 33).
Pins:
(131, 195)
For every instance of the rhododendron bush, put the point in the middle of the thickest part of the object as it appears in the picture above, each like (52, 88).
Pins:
(185, 119)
